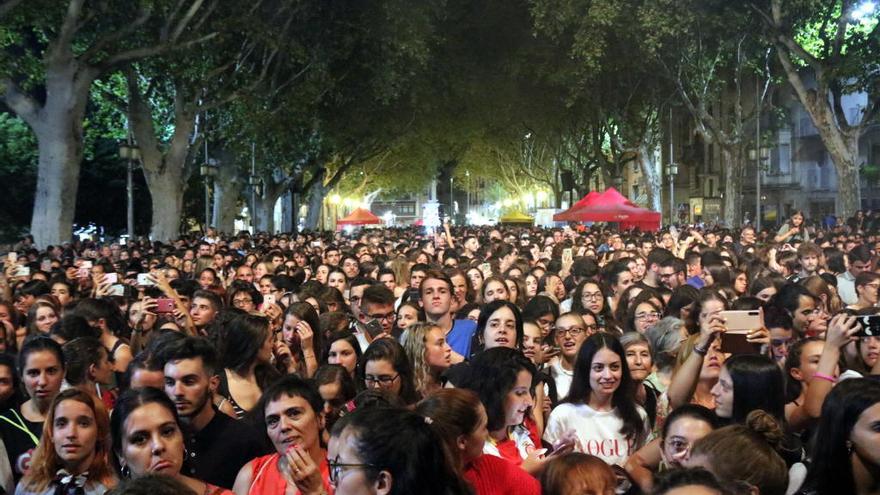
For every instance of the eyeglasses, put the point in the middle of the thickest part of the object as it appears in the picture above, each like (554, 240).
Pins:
(667, 275)
(386, 317)
(678, 446)
(645, 316)
(592, 328)
(592, 296)
(383, 380)
(336, 467)
(573, 331)
(242, 301)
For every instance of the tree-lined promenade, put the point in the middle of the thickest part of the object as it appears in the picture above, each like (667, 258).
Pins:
(265, 97)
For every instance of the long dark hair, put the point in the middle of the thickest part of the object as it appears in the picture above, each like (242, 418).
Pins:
(633, 425)
(478, 340)
(391, 351)
(492, 375)
(127, 403)
(757, 384)
(831, 471)
(404, 444)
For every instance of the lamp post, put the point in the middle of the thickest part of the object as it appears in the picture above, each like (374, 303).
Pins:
(760, 156)
(208, 170)
(131, 153)
(467, 210)
(671, 172)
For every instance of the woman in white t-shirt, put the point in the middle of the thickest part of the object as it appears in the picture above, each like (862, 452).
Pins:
(600, 410)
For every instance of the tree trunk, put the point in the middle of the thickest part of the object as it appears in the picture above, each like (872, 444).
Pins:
(273, 186)
(164, 166)
(846, 163)
(228, 186)
(316, 201)
(287, 215)
(59, 130)
(733, 179)
(166, 190)
(651, 179)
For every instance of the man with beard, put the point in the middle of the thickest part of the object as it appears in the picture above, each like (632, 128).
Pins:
(220, 445)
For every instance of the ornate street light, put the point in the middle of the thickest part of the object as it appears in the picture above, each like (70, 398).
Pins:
(131, 153)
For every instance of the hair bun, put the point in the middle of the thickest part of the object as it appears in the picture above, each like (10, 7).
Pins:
(765, 425)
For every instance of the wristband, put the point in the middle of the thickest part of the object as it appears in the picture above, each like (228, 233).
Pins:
(701, 351)
(823, 376)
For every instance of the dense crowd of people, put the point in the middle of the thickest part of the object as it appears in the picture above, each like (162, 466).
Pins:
(482, 360)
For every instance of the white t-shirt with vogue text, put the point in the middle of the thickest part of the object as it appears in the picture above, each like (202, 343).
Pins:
(597, 432)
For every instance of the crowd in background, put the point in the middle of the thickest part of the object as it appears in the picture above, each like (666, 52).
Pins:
(484, 360)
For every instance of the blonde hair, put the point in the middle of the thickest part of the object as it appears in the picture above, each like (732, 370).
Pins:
(415, 346)
(45, 463)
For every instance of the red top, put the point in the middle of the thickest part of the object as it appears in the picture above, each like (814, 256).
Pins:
(268, 480)
(491, 475)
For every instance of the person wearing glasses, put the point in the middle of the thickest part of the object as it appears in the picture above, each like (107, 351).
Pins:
(683, 427)
(590, 295)
(672, 273)
(386, 366)
(376, 316)
(571, 331)
(385, 450)
(291, 413)
(642, 315)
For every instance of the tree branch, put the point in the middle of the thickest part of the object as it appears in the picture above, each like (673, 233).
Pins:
(21, 103)
(116, 36)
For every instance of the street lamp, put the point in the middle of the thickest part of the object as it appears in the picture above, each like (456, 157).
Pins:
(760, 156)
(208, 169)
(131, 153)
(671, 172)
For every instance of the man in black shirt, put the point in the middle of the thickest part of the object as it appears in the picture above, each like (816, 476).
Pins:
(220, 445)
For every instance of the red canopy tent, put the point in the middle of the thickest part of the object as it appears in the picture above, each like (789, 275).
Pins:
(566, 215)
(359, 216)
(611, 206)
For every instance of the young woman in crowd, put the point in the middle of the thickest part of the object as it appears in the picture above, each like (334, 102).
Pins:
(591, 296)
(503, 379)
(103, 314)
(845, 459)
(300, 338)
(461, 421)
(41, 365)
(744, 456)
(569, 334)
(74, 452)
(342, 348)
(385, 366)
(41, 316)
(336, 388)
(408, 313)
(682, 429)
(148, 439)
(493, 289)
(601, 410)
(291, 414)
(429, 355)
(381, 450)
(500, 325)
(244, 345)
(88, 367)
